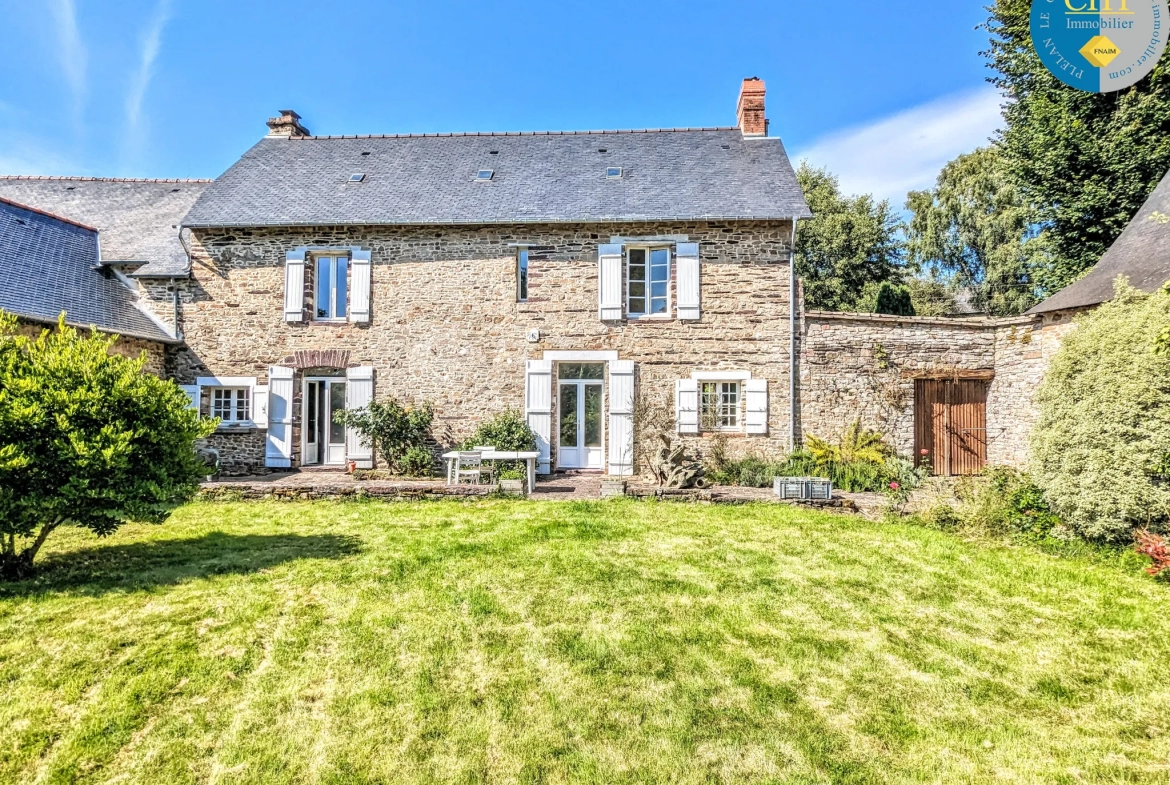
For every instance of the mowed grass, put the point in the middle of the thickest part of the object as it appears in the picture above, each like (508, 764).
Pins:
(609, 642)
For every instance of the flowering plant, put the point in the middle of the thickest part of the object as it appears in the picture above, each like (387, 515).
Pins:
(1156, 547)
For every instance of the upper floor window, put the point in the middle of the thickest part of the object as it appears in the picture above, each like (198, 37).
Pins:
(331, 273)
(719, 406)
(522, 275)
(231, 404)
(648, 281)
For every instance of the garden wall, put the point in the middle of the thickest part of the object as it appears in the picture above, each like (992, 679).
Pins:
(865, 366)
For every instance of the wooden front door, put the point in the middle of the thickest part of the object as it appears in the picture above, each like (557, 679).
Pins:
(950, 420)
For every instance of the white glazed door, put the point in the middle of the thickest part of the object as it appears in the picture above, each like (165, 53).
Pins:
(312, 422)
(334, 432)
(579, 434)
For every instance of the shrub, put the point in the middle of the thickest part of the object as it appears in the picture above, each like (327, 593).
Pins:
(507, 431)
(1157, 548)
(894, 299)
(417, 462)
(87, 439)
(393, 428)
(1104, 423)
(1003, 500)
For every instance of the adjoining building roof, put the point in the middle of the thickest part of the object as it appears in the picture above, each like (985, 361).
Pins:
(138, 219)
(1141, 253)
(685, 174)
(49, 264)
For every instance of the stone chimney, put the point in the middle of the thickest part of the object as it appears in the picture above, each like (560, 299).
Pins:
(750, 110)
(288, 124)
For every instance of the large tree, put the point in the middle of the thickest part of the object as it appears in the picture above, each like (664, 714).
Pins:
(850, 241)
(87, 438)
(976, 230)
(1087, 161)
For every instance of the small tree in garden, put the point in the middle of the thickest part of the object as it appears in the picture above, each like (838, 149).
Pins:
(87, 439)
(393, 429)
(1099, 445)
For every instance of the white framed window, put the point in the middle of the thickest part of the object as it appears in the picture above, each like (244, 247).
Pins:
(648, 282)
(232, 404)
(719, 405)
(331, 287)
(522, 275)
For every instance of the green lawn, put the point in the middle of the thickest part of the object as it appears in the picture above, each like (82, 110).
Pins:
(575, 642)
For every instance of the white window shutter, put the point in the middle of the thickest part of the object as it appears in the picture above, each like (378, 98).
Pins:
(757, 406)
(686, 405)
(193, 393)
(359, 392)
(294, 285)
(538, 408)
(621, 417)
(260, 405)
(359, 290)
(609, 282)
(687, 278)
(278, 446)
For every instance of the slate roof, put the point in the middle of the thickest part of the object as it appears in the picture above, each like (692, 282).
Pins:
(48, 265)
(138, 219)
(684, 174)
(1141, 253)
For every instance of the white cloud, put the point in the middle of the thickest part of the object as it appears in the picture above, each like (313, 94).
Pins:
(906, 151)
(151, 41)
(71, 52)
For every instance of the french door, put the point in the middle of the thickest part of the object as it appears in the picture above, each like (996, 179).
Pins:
(580, 405)
(324, 439)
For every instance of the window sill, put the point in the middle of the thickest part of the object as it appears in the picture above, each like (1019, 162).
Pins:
(329, 321)
(650, 318)
(236, 427)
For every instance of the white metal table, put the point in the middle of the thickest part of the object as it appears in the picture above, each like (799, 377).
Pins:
(529, 458)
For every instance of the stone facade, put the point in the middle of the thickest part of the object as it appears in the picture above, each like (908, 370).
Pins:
(156, 353)
(446, 325)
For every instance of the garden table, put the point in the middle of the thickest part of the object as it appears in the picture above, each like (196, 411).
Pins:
(529, 458)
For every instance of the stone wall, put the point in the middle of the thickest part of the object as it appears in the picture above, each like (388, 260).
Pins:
(156, 353)
(1023, 351)
(446, 327)
(865, 365)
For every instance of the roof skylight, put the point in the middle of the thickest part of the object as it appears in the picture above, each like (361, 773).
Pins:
(357, 177)
(484, 174)
(613, 173)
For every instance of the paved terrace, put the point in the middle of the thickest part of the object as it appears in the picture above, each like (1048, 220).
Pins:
(315, 484)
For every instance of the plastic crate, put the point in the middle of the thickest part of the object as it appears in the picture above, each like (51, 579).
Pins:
(807, 488)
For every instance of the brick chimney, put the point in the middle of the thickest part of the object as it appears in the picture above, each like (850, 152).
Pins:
(750, 110)
(288, 124)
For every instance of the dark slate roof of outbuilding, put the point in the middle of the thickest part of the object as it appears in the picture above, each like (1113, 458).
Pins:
(1141, 253)
(684, 174)
(138, 219)
(48, 265)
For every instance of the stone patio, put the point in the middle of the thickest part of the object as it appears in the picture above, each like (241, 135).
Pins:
(318, 484)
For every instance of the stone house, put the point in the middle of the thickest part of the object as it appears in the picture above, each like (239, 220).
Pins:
(609, 285)
(582, 278)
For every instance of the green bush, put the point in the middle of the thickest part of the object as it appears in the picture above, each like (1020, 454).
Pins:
(393, 428)
(852, 476)
(507, 431)
(87, 439)
(1099, 445)
(1003, 500)
(417, 462)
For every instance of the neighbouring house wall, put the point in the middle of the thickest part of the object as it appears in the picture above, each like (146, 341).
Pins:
(125, 346)
(863, 366)
(445, 325)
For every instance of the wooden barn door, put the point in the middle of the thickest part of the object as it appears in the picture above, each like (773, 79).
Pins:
(950, 420)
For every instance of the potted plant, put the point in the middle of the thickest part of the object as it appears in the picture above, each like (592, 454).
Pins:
(513, 481)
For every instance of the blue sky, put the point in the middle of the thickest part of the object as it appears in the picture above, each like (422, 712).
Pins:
(881, 93)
